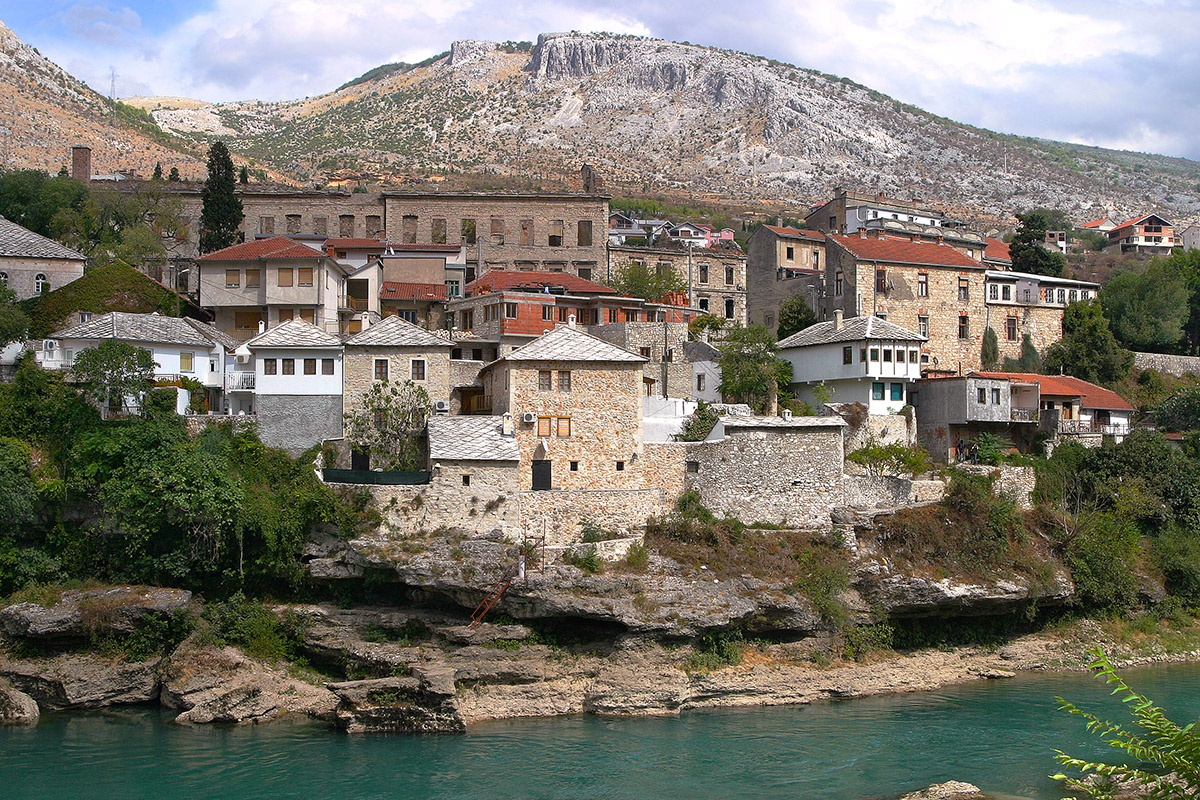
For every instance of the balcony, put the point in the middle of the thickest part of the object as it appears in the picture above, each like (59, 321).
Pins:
(239, 381)
(357, 304)
(1024, 415)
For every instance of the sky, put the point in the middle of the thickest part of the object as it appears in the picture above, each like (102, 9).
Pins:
(1115, 73)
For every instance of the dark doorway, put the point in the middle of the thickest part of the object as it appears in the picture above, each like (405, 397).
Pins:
(541, 474)
(360, 459)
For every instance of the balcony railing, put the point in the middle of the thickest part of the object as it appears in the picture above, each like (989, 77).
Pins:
(357, 304)
(1077, 426)
(1024, 415)
(239, 381)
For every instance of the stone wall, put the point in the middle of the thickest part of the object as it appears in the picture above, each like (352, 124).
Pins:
(648, 337)
(883, 429)
(197, 423)
(1011, 481)
(358, 367)
(704, 271)
(787, 476)
(768, 284)
(297, 422)
(487, 501)
(20, 274)
(1174, 365)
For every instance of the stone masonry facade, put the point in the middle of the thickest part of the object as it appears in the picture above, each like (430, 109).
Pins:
(716, 281)
(653, 340)
(20, 274)
(360, 369)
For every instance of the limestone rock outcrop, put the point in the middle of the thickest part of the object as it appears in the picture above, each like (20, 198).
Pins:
(16, 707)
(83, 680)
(78, 613)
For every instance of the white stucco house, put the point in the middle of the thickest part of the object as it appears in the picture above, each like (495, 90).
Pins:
(859, 360)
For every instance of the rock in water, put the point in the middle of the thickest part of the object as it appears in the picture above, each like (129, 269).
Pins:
(83, 680)
(950, 790)
(16, 707)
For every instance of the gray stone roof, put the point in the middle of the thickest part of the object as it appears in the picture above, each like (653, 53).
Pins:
(470, 438)
(19, 242)
(567, 343)
(700, 351)
(854, 329)
(781, 422)
(214, 334)
(147, 328)
(396, 332)
(295, 334)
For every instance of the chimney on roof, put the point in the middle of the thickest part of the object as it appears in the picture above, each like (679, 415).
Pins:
(779, 222)
(506, 424)
(262, 326)
(81, 163)
(941, 239)
(837, 319)
(571, 321)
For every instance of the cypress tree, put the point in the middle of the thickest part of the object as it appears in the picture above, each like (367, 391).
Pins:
(173, 175)
(243, 175)
(989, 354)
(221, 213)
(158, 175)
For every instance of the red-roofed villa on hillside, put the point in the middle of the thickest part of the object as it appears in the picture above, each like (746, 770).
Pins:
(952, 412)
(1149, 234)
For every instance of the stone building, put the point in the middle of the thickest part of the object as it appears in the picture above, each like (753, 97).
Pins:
(298, 392)
(31, 264)
(394, 349)
(715, 280)
(846, 212)
(781, 263)
(667, 372)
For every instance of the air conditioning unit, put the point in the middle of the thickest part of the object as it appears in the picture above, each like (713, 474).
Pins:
(529, 417)
(242, 359)
(442, 407)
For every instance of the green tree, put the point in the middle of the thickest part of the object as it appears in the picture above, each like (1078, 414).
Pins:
(1161, 757)
(243, 175)
(794, 316)
(751, 371)
(114, 372)
(221, 213)
(1026, 249)
(1181, 411)
(989, 354)
(32, 198)
(388, 422)
(1030, 359)
(173, 175)
(1088, 349)
(13, 321)
(640, 280)
(1148, 309)
(158, 173)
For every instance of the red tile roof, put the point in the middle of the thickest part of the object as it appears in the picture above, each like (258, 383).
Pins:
(1136, 220)
(392, 290)
(426, 248)
(904, 252)
(803, 234)
(1096, 223)
(996, 249)
(356, 244)
(275, 247)
(1090, 395)
(499, 280)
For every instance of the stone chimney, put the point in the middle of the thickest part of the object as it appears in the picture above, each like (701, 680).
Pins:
(81, 163)
(506, 424)
(837, 319)
(571, 321)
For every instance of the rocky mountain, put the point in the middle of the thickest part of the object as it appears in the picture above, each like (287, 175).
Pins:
(676, 119)
(44, 111)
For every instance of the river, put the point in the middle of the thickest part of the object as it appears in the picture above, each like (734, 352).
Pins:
(996, 734)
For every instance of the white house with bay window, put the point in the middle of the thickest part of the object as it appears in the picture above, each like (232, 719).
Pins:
(859, 360)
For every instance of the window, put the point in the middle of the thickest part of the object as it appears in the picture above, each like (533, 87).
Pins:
(1062, 295)
(545, 380)
(923, 284)
(645, 352)
(1010, 329)
(310, 366)
(838, 288)
(887, 354)
(964, 289)
(1006, 292)
(1074, 295)
(620, 466)
(453, 289)
(289, 366)
(466, 480)
(704, 273)
(897, 391)
(526, 232)
(304, 276)
(266, 225)
(407, 315)
(923, 326)
(1049, 295)
(981, 395)
(964, 326)
(876, 391)
(912, 356)
(326, 366)
(417, 369)
(1084, 294)
(497, 230)
(791, 254)
(285, 276)
(293, 223)
(187, 362)
(874, 353)
(583, 234)
(253, 278)
(246, 320)
(862, 354)
(729, 276)
(563, 427)
(381, 369)
(631, 316)
(995, 397)
(468, 319)
(564, 380)
(585, 273)
(548, 313)
(320, 225)
(437, 232)
(233, 278)
(84, 316)
(993, 292)
(510, 310)
(612, 315)
(269, 366)
(847, 355)
(816, 259)
(704, 304)
(574, 466)
(729, 308)
(556, 233)
(408, 229)
(286, 314)
(544, 425)
(881, 280)
(700, 382)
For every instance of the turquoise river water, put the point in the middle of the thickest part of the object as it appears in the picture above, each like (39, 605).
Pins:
(996, 734)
